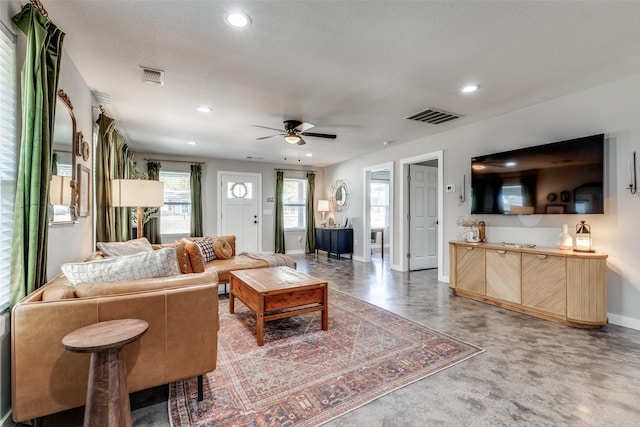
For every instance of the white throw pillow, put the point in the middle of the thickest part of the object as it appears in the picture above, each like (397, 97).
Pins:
(129, 247)
(160, 263)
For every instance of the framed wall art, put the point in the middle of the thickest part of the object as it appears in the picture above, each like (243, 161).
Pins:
(84, 190)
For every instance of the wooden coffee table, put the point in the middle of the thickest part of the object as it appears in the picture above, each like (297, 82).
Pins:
(278, 292)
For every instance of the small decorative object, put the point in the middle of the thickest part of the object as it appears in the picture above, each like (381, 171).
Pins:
(565, 196)
(565, 241)
(583, 237)
(471, 231)
(552, 197)
(482, 231)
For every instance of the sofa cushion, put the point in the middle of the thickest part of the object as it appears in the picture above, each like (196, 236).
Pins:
(160, 263)
(195, 256)
(222, 248)
(129, 247)
(58, 290)
(206, 248)
(181, 255)
(86, 289)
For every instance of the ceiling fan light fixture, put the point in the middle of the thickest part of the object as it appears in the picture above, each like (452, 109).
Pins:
(292, 138)
(469, 88)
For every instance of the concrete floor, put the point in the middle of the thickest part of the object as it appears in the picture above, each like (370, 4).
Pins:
(533, 373)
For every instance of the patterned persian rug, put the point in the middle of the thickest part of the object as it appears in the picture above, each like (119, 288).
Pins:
(304, 376)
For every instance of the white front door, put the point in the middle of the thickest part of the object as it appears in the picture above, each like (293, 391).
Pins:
(239, 197)
(423, 210)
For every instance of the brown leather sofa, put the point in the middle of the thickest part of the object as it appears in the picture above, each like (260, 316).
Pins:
(181, 342)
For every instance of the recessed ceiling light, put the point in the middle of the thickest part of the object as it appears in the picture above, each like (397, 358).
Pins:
(204, 109)
(308, 154)
(469, 88)
(510, 164)
(192, 143)
(238, 19)
(478, 166)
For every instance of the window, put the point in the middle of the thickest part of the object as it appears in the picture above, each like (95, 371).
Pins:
(379, 204)
(176, 213)
(8, 155)
(294, 204)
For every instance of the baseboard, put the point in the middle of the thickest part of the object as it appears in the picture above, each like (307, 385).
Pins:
(627, 322)
(358, 258)
(295, 252)
(7, 421)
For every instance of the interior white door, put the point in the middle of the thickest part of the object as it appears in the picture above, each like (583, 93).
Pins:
(239, 210)
(423, 210)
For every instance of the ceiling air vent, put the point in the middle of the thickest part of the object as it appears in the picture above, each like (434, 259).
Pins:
(154, 77)
(435, 117)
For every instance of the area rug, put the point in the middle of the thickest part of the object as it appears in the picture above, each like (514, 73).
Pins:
(304, 376)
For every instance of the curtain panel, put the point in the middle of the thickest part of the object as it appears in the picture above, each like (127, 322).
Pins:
(196, 201)
(279, 214)
(151, 229)
(113, 161)
(310, 245)
(39, 86)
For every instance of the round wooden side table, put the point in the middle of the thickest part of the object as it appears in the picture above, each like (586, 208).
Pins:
(107, 391)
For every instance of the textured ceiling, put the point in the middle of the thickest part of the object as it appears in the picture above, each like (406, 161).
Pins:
(356, 69)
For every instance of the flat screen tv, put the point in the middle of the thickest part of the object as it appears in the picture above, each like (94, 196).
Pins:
(564, 177)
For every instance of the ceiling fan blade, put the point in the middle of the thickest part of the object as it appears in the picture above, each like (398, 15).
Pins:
(301, 142)
(318, 135)
(265, 127)
(270, 136)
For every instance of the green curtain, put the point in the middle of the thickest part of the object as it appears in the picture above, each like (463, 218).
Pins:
(196, 201)
(279, 237)
(310, 246)
(39, 76)
(113, 161)
(151, 230)
(54, 164)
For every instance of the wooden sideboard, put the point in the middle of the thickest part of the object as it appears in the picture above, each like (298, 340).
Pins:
(334, 240)
(564, 286)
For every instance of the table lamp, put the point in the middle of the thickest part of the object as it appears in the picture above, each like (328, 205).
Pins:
(323, 206)
(137, 193)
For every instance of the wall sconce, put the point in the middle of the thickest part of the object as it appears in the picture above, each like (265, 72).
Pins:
(137, 193)
(323, 206)
(462, 197)
(632, 175)
(583, 238)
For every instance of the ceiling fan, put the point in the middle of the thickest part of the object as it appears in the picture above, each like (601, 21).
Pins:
(293, 132)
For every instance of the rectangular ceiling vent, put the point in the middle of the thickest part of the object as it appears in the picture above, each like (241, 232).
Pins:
(151, 76)
(433, 116)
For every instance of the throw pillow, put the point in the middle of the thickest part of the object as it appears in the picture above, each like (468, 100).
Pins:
(206, 248)
(160, 263)
(130, 247)
(222, 248)
(181, 254)
(195, 256)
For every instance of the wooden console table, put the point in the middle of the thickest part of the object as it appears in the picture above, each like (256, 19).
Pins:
(564, 286)
(107, 391)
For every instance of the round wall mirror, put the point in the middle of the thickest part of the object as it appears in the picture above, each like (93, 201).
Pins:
(339, 196)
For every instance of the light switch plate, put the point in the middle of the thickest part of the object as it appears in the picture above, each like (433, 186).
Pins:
(451, 188)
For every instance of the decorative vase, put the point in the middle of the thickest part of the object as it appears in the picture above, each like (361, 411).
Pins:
(565, 241)
(472, 234)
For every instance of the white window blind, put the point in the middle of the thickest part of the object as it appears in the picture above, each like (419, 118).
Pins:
(176, 213)
(294, 204)
(8, 154)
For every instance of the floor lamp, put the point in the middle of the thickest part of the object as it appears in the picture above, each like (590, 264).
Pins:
(137, 193)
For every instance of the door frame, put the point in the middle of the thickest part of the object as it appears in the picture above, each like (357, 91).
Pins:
(366, 211)
(258, 176)
(403, 224)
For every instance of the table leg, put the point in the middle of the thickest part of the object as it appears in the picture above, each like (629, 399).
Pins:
(232, 300)
(260, 322)
(325, 310)
(107, 391)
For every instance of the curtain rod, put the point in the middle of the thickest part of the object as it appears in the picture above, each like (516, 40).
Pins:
(40, 8)
(174, 161)
(294, 170)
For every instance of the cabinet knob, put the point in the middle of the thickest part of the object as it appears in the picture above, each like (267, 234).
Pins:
(541, 256)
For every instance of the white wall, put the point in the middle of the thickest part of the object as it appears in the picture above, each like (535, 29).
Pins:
(611, 109)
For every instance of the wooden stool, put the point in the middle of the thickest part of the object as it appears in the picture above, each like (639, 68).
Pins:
(107, 391)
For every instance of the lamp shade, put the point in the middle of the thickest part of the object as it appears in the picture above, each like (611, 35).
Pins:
(60, 190)
(323, 206)
(137, 192)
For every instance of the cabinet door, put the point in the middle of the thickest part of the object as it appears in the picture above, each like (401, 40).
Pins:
(587, 290)
(319, 242)
(544, 283)
(503, 275)
(470, 269)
